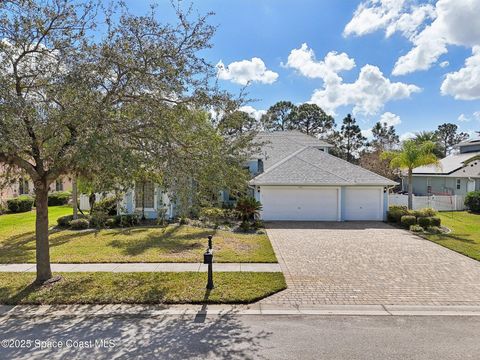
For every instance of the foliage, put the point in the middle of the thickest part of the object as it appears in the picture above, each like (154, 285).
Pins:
(416, 228)
(237, 122)
(384, 137)
(311, 120)
(472, 201)
(448, 137)
(410, 156)
(395, 213)
(408, 220)
(58, 198)
(211, 214)
(107, 205)
(79, 224)
(424, 136)
(278, 117)
(425, 212)
(434, 230)
(424, 222)
(373, 161)
(248, 208)
(127, 220)
(64, 221)
(349, 139)
(98, 219)
(20, 204)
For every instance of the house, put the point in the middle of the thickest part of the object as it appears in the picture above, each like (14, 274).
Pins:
(301, 181)
(457, 174)
(295, 178)
(24, 186)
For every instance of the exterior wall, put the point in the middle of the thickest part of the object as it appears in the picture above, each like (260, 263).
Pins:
(469, 148)
(439, 184)
(161, 200)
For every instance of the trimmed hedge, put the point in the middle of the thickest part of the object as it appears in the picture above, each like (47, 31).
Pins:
(426, 212)
(416, 228)
(127, 220)
(23, 203)
(64, 221)
(408, 220)
(472, 201)
(395, 213)
(79, 224)
(427, 221)
(58, 198)
(107, 206)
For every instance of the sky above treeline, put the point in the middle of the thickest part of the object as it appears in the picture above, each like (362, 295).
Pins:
(412, 64)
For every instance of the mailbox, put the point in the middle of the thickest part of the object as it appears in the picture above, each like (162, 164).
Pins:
(208, 257)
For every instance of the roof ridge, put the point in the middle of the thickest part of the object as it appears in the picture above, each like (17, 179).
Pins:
(358, 166)
(278, 163)
(318, 167)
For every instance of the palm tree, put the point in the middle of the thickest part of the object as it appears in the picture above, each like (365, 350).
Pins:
(410, 156)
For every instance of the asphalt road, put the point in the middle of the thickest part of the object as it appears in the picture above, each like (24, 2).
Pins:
(233, 336)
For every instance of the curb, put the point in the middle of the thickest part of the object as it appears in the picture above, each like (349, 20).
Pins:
(7, 311)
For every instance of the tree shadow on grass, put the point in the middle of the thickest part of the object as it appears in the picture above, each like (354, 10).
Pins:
(168, 242)
(456, 237)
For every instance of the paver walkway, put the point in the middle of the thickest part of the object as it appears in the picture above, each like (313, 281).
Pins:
(146, 267)
(368, 263)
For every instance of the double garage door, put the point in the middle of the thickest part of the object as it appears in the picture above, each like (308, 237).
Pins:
(312, 203)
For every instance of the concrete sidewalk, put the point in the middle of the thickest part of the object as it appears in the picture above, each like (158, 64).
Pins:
(146, 267)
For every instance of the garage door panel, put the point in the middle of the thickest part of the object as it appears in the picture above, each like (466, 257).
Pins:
(301, 204)
(363, 203)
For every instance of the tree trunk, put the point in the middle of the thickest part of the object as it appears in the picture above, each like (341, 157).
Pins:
(75, 197)
(410, 190)
(44, 271)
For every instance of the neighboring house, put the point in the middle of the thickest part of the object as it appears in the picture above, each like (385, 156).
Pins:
(24, 186)
(457, 174)
(294, 178)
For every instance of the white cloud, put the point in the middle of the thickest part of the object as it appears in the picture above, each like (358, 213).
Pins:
(464, 84)
(390, 119)
(303, 60)
(250, 110)
(367, 133)
(444, 64)
(463, 118)
(407, 136)
(430, 29)
(476, 115)
(245, 71)
(367, 94)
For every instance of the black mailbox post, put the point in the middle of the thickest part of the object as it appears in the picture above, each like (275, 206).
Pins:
(208, 259)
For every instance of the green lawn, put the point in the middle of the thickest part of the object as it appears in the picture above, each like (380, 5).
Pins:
(465, 235)
(140, 288)
(140, 244)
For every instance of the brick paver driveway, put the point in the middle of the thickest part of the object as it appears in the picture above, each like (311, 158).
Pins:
(368, 263)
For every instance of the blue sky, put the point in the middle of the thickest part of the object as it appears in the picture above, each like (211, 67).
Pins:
(416, 49)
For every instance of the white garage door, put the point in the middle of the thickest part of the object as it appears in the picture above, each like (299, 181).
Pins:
(299, 203)
(363, 203)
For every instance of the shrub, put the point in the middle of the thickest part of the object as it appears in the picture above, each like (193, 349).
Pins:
(20, 204)
(435, 221)
(111, 222)
(211, 214)
(98, 219)
(79, 224)
(434, 230)
(107, 205)
(472, 201)
(3, 209)
(58, 198)
(127, 220)
(408, 220)
(416, 228)
(248, 208)
(395, 213)
(426, 212)
(64, 221)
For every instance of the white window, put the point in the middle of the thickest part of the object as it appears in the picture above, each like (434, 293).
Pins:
(459, 184)
(145, 195)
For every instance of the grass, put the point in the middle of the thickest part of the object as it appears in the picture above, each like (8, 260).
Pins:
(465, 235)
(140, 244)
(140, 288)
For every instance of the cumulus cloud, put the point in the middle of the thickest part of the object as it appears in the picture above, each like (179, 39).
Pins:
(430, 28)
(476, 115)
(463, 118)
(245, 71)
(407, 136)
(464, 84)
(250, 110)
(444, 64)
(390, 119)
(368, 93)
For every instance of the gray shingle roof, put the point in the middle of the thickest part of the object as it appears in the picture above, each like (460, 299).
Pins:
(447, 165)
(277, 145)
(311, 166)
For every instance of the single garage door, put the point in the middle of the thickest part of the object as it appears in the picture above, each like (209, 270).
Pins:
(299, 203)
(363, 203)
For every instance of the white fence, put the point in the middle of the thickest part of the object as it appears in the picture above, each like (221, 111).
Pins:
(437, 202)
(85, 202)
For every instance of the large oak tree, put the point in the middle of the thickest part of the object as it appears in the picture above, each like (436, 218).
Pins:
(76, 99)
